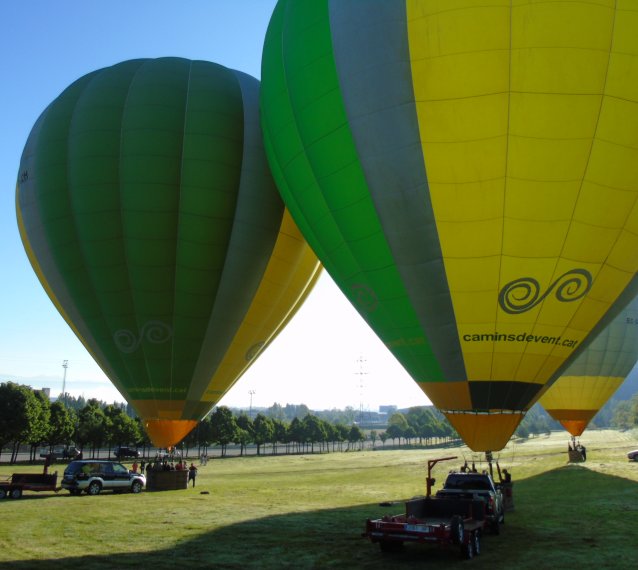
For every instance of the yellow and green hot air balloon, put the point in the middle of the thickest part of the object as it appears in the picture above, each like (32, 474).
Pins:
(148, 212)
(467, 172)
(584, 388)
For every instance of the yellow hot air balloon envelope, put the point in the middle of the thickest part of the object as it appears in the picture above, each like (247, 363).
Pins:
(467, 172)
(584, 388)
(148, 212)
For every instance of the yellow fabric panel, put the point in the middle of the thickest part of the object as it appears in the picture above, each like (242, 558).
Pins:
(448, 395)
(532, 167)
(169, 409)
(289, 277)
(485, 432)
(580, 393)
(166, 433)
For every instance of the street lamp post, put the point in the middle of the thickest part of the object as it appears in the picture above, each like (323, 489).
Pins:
(250, 410)
(65, 365)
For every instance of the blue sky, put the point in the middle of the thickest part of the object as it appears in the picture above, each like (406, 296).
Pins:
(46, 45)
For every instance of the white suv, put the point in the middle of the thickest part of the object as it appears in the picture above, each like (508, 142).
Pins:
(93, 476)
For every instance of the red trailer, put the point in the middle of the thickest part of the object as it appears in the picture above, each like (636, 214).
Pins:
(13, 486)
(445, 522)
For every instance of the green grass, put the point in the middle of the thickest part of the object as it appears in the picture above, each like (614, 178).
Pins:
(308, 511)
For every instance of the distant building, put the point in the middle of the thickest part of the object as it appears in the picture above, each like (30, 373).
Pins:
(46, 392)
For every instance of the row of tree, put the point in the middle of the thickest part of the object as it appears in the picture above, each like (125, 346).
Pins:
(28, 418)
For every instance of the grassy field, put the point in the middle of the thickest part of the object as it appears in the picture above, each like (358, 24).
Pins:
(308, 511)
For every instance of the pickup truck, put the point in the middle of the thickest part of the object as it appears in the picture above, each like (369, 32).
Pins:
(473, 486)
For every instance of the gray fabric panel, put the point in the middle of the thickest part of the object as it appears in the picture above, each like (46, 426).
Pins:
(34, 230)
(622, 303)
(613, 352)
(376, 80)
(255, 230)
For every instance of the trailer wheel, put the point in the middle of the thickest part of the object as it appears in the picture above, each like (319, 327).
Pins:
(94, 488)
(3, 493)
(15, 493)
(390, 545)
(476, 542)
(467, 549)
(457, 529)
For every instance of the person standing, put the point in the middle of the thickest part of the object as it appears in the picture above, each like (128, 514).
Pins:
(192, 473)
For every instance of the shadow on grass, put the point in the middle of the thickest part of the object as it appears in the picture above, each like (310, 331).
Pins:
(566, 518)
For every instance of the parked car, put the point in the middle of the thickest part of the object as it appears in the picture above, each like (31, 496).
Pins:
(94, 476)
(62, 453)
(124, 452)
(633, 455)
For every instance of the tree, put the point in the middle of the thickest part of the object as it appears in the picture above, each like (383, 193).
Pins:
(19, 410)
(313, 431)
(263, 431)
(223, 427)
(296, 433)
(62, 425)
(93, 426)
(39, 428)
(355, 435)
(280, 434)
(245, 432)
(397, 425)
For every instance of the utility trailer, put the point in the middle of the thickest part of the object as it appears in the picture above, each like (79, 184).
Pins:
(14, 485)
(446, 522)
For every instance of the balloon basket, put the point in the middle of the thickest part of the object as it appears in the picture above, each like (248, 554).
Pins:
(575, 456)
(167, 480)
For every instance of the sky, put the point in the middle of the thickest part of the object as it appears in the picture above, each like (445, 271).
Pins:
(327, 357)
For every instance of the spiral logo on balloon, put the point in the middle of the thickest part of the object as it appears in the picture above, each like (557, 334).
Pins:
(524, 294)
(155, 332)
(365, 297)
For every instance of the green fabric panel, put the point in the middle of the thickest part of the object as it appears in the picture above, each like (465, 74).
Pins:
(93, 186)
(211, 161)
(150, 164)
(46, 210)
(255, 227)
(130, 204)
(377, 92)
(315, 164)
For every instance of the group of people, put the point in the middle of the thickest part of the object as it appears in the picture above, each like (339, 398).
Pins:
(163, 464)
(575, 447)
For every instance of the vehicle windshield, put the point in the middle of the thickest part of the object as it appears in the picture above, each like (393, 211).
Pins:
(466, 482)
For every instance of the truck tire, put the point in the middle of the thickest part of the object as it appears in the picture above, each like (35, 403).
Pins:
(467, 549)
(15, 493)
(495, 527)
(3, 493)
(457, 529)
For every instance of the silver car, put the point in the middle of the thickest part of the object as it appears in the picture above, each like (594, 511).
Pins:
(94, 476)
